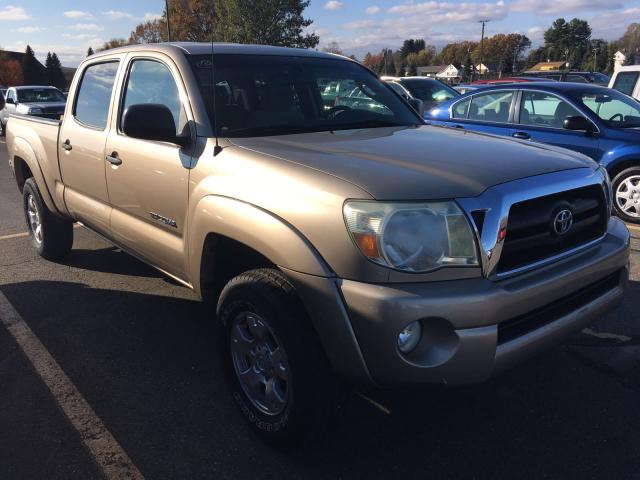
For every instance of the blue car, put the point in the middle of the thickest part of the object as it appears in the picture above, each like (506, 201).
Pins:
(597, 121)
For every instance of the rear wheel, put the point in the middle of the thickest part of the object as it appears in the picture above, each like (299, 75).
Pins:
(272, 359)
(51, 235)
(626, 194)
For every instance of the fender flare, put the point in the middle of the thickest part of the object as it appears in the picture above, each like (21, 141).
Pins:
(23, 150)
(271, 236)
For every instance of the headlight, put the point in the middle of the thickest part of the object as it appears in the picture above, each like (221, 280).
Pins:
(413, 237)
(609, 190)
(35, 110)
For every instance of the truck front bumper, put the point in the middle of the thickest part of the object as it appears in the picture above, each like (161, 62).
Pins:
(471, 328)
(474, 328)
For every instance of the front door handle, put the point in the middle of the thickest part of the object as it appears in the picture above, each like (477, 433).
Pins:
(113, 159)
(67, 145)
(521, 135)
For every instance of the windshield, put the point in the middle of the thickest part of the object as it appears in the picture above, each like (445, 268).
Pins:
(614, 108)
(260, 95)
(599, 78)
(39, 95)
(430, 91)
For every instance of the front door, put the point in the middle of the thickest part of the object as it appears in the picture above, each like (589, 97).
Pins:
(81, 145)
(148, 180)
(541, 117)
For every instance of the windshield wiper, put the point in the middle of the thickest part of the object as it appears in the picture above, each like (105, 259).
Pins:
(371, 123)
(273, 130)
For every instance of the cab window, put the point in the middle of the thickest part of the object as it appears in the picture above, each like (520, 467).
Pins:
(491, 107)
(151, 81)
(94, 95)
(625, 82)
(542, 109)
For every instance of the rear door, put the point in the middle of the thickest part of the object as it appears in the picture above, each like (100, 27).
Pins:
(81, 143)
(487, 112)
(148, 185)
(540, 117)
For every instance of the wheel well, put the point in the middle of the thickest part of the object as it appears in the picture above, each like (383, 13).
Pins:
(222, 259)
(22, 171)
(618, 167)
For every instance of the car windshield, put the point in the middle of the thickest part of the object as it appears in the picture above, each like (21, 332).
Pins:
(261, 95)
(430, 91)
(39, 95)
(599, 78)
(614, 108)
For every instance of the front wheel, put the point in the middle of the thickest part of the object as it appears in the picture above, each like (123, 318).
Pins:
(51, 235)
(272, 359)
(626, 195)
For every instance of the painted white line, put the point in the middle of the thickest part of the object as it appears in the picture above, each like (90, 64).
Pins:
(105, 450)
(26, 234)
(379, 406)
(607, 335)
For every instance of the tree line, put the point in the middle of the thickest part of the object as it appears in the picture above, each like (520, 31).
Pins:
(29, 71)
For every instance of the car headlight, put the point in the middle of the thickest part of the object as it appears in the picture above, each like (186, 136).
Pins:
(34, 110)
(609, 189)
(413, 237)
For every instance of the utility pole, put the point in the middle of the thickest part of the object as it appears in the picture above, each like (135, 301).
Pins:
(595, 59)
(481, 43)
(166, 4)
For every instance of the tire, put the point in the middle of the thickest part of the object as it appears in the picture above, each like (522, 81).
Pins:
(260, 310)
(50, 235)
(3, 129)
(626, 195)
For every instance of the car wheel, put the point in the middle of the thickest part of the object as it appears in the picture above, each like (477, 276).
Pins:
(271, 358)
(626, 195)
(51, 235)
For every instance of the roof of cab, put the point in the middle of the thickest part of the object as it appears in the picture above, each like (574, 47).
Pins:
(204, 48)
(548, 86)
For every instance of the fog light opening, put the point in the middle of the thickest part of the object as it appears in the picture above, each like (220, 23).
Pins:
(409, 337)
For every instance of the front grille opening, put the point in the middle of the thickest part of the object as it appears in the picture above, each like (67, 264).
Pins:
(478, 219)
(530, 236)
(519, 326)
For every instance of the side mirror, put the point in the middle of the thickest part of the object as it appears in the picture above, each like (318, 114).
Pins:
(10, 101)
(417, 105)
(151, 121)
(578, 123)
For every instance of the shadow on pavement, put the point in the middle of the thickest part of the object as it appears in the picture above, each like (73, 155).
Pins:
(109, 260)
(146, 365)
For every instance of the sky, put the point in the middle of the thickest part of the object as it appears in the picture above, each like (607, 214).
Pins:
(69, 27)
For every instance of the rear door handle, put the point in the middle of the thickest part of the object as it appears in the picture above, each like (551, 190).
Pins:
(67, 145)
(521, 135)
(113, 159)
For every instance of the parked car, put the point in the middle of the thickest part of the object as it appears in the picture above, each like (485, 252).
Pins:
(596, 78)
(463, 88)
(46, 102)
(498, 81)
(596, 121)
(626, 80)
(429, 91)
(355, 240)
(3, 92)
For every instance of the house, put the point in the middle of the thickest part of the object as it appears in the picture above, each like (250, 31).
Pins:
(442, 72)
(482, 69)
(619, 59)
(548, 66)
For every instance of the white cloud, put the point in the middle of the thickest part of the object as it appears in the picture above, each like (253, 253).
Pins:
(78, 36)
(116, 14)
(611, 25)
(69, 54)
(360, 25)
(77, 14)
(564, 7)
(29, 29)
(11, 13)
(536, 34)
(89, 27)
(333, 5)
(149, 16)
(450, 12)
(372, 10)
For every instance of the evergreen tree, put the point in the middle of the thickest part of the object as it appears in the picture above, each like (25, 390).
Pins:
(55, 75)
(89, 52)
(31, 69)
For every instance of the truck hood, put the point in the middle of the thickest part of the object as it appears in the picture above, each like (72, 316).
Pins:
(50, 106)
(428, 162)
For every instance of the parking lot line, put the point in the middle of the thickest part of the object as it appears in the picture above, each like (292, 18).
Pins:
(102, 446)
(26, 234)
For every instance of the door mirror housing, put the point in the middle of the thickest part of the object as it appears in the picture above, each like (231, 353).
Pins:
(578, 123)
(151, 121)
(417, 105)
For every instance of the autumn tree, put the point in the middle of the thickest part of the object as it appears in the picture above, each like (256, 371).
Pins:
(502, 52)
(10, 71)
(333, 47)
(151, 31)
(114, 43)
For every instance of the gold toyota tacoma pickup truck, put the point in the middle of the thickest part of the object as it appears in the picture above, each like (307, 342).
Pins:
(337, 234)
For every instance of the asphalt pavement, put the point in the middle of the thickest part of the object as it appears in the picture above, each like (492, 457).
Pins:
(140, 350)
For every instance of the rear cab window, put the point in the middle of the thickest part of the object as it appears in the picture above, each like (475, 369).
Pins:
(625, 82)
(94, 94)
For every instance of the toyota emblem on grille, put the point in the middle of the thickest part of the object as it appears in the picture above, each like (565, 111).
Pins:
(562, 222)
